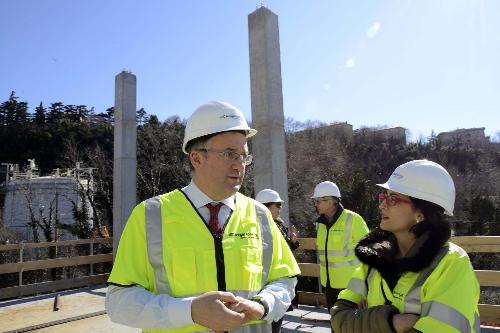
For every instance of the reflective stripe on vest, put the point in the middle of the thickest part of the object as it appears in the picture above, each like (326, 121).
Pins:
(340, 264)
(437, 310)
(337, 253)
(360, 286)
(412, 302)
(446, 314)
(155, 244)
(267, 239)
(155, 256)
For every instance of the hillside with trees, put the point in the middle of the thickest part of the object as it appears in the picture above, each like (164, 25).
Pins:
(59, 135)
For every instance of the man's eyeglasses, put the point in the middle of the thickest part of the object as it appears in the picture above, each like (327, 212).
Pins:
(317, 201)
(230, 156)
(277, 204)
(391, 199)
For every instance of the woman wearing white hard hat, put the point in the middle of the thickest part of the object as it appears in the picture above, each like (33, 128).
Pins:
(412, 278)
(272, 200)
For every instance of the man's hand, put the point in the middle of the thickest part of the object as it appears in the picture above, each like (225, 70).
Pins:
(251, 309)
(293, 233)
(212, 310)
(404, 322)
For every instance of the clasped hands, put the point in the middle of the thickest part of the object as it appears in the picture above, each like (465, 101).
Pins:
(223, 311)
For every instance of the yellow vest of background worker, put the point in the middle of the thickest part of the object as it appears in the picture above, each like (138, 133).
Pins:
(167, 248)
(444, 294)
(335, 248)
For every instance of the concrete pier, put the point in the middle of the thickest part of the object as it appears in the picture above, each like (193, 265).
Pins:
(268, 146)
(125, 157)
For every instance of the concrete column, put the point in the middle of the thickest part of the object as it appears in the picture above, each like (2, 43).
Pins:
(125, 160)
(268, 146)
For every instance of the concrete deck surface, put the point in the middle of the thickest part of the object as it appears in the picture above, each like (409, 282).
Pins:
(31, 311)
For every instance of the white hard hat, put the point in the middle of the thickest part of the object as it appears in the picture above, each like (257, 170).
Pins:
(326, 189)
(215, 117)
(268, 195)
(425, 180)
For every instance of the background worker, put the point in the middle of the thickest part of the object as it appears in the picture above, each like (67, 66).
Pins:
(272, 200)
(204, 257)
(412, 278)
(338, 232)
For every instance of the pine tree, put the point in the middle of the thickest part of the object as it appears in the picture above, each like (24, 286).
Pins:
(39, 117)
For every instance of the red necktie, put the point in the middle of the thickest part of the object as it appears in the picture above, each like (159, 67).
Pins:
(213, 224)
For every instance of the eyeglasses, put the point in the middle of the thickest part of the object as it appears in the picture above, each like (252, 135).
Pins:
(391, 199)
(230, 156)
(317, 201)
(277, 204)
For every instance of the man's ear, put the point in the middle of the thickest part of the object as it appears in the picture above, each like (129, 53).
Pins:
(195, 158)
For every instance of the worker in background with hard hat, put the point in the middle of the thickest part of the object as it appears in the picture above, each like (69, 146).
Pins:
(338, 232)
(272, 200)
(204, 257)
(412, 278)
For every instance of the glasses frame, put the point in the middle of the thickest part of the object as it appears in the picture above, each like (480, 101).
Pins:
(231, 156)
(317, 201)
(391, 199)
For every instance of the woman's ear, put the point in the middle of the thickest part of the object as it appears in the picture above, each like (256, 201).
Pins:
(419, 216)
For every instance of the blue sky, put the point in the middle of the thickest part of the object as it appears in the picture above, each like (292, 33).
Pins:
(421, 64)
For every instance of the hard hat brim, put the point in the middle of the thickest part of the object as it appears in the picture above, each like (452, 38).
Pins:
(387, 186)
(249, 133)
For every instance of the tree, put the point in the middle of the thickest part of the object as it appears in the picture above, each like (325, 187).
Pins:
(39, 117)
(56, 112)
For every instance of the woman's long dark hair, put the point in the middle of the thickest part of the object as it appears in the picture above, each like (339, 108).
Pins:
(434, 219)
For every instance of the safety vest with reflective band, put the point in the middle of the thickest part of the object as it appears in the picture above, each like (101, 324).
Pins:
(187, 260)
(335, 248)
(444, 294)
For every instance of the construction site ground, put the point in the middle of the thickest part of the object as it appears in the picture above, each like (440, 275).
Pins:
(36, 314)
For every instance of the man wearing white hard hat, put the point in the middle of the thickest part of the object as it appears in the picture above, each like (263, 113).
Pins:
(338, 232)
(412, 279)
(272, 200)
(204, 257)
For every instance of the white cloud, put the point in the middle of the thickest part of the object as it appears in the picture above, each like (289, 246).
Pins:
(350, 62)
(373, 30)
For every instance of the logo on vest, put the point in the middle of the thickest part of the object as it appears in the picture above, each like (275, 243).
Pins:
(397, 295)
(244, 235)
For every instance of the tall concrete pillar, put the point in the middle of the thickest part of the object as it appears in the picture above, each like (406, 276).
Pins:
(268, 146)
(125, 160)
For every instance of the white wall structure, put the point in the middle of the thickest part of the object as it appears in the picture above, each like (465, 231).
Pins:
(47, 198)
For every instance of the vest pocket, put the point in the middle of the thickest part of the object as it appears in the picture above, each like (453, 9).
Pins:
(251, 259)
(184, 272)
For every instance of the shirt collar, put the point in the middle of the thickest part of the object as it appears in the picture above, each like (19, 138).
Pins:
(200, 199)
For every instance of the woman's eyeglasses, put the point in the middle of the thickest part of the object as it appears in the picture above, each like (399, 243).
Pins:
(391, 199)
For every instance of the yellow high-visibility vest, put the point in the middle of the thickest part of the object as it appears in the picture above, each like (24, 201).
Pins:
(335, 248)
(444, 294)
(167, 248)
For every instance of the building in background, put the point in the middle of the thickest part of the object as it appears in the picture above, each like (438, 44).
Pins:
(33, 206)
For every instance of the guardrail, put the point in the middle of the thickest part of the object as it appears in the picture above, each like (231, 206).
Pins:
(24, 266)
(471, 244)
